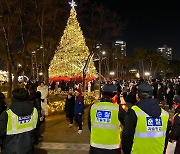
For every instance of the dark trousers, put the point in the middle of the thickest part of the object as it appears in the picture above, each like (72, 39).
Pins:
(94, 150)
(71, 120)
(78, 119)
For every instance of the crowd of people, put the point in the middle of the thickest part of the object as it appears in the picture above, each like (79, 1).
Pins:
(129, 114)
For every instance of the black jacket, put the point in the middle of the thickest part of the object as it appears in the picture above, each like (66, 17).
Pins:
(69, 106)
(175, 131)
(3, 107)
(19, 143)
(149, 106)
(161, 94)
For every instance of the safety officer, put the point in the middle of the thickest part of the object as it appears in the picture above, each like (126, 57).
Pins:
(145, 130)
(175, 131)
(17, 124)
(104, 124)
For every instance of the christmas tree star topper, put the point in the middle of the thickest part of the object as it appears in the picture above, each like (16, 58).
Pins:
(73, 4)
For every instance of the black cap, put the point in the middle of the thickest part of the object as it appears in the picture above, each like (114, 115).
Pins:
(177, 99)
(145, 88)
(109, 90)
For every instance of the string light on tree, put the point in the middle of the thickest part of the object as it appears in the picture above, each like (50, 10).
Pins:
(72, 52)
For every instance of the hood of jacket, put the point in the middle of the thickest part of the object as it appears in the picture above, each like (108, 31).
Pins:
(21, 108)
(177, 110)
(150, 107)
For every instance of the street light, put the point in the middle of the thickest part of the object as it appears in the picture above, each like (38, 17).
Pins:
(19, 65)
(103, 52)
(41, 73)
(147, 74)
(112, 73)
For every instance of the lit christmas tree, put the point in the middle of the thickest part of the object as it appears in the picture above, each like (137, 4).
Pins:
(72, 52)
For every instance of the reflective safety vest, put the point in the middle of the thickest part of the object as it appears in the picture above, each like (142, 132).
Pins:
(20, 124)
(150, 133)
(105, 125)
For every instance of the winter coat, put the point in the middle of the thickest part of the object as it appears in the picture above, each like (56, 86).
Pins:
(3, 107)
(161, 94)
(150, 107)
(69, 106)
(43, 90)
(175, 131)
(170, 97)
(19, 143)
(79, 106)
(37, 105)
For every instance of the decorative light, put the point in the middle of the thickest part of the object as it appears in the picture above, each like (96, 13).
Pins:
(73, 4)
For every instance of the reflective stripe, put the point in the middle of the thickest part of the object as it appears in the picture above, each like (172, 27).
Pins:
(22, 130)
(104, 146)
(164, 113)
(107, 126)
(150, 134)
(103, 107)
(142, 113)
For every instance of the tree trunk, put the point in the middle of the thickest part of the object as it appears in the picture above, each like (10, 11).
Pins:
(84, 82)
(9, 79)
(15, 80)
(142, 68)
(46, 74)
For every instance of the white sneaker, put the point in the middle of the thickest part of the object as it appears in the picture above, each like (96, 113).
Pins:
(79, 131)
(70, 125)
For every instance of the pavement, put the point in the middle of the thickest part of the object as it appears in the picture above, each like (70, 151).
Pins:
(58, 138)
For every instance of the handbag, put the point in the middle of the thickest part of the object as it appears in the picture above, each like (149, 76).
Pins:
(170, 147)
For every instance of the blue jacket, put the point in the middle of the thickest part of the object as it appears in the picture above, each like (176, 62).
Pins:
(79, 106)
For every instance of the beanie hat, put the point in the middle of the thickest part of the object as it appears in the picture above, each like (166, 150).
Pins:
(79, 91)
(109, 90)
(79, 95)
(145, 88)
(177, 99)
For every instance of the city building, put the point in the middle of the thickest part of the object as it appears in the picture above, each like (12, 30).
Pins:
(166, 52)
(121, 48)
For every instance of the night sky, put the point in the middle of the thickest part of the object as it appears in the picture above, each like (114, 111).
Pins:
(151, 23)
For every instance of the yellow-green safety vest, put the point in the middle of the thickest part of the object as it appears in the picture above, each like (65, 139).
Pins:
(105, 125)
(150, 133)
(20, 124)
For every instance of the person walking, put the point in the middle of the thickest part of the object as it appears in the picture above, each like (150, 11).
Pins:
(17, 124)
(69, 107)
(146, 125)
(161, 94)
(79, 109)
(175, 130)
(104, 124)
(44, 93)
(170, 96)
(37, 105)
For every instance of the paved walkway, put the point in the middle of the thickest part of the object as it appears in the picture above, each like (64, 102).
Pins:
(58, 138)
